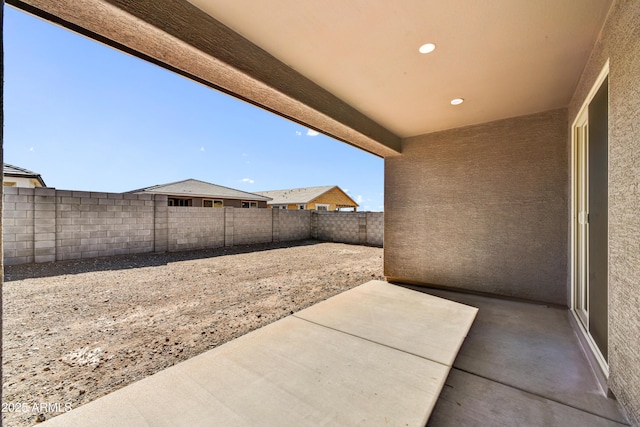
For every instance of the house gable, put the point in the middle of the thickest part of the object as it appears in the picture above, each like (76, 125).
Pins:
(15, 176)
(310, 197)
(335, 198)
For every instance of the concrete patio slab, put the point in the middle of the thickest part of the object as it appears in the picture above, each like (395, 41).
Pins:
(527, 347)
(464, 402)
(292, 372)
(393, 316)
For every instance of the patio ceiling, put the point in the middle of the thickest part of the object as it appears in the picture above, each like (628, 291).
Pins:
(506, 58)
(352, 70)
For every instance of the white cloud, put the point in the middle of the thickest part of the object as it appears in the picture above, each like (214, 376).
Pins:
(249, 180)
(311, 132)
(202, 149)
(359, 199)
(298, 133)
(32, 149)
(346, 190)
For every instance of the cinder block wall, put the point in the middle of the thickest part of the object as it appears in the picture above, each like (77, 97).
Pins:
(482, 208)
(45, 224)
(375, 228)
(17, 225)
(98, 224)
(252, 226)
(339, 226)
(363, 228)
(195, 228)
(291, 224)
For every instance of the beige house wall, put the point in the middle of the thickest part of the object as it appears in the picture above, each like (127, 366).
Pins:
(230, 203)
(18, 181)
(294, 207)
(333, 198)
(482, 208)
(619, 43)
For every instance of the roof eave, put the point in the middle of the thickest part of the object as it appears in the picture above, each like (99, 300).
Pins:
(180, 37)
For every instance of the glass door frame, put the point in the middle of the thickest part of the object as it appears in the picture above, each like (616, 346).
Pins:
(579, 300)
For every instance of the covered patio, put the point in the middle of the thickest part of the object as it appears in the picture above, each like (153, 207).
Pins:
(510, 138)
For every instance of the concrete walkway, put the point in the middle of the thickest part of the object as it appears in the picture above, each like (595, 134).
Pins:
(378, 354)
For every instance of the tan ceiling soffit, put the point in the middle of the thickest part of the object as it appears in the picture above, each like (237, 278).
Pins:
(178, 36)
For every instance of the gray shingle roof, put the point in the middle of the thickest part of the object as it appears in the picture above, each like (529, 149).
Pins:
(196, 188)
(11, 170)
(295, 195)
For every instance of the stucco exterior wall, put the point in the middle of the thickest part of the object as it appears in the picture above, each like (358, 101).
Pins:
(619, 42)
(482, 208)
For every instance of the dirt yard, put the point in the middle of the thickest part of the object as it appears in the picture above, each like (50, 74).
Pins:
(76, 330)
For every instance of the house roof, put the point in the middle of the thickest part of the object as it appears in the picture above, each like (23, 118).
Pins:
(15, 171)
(196, 188)
(298, 195)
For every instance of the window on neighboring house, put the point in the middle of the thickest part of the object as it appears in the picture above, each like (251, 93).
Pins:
(301, 207)
(321, 207)
(249, 204)
(207, 203)
(279, 206)
(180, 202)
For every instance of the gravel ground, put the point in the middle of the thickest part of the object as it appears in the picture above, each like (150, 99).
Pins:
(76, 330)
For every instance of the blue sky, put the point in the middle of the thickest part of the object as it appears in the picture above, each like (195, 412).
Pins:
(87, 117)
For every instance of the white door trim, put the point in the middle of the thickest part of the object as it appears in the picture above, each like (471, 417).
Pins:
(604, 73)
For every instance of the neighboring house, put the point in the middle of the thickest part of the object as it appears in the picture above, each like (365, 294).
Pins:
(19, 177)
(192, 192)
(327, 198)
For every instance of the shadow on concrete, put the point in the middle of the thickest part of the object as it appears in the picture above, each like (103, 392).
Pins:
(123, 262)
(521, 364)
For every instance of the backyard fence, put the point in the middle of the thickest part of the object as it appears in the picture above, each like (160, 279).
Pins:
(45, 224)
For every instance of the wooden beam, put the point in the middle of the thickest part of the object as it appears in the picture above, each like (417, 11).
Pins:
(178, 36)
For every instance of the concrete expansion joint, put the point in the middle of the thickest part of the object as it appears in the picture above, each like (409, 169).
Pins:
(369, 340)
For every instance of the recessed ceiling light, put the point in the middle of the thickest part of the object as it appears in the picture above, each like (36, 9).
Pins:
(427, 48)
(457, 101)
